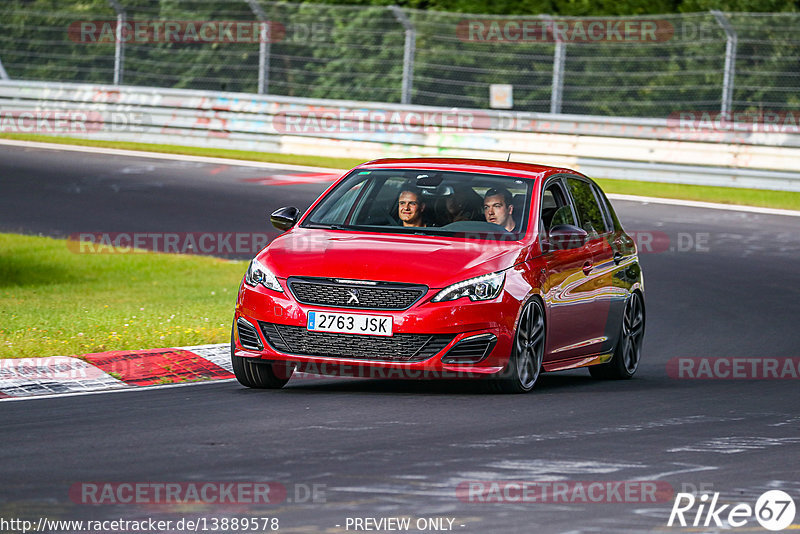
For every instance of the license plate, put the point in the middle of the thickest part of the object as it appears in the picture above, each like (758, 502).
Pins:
(350, 323)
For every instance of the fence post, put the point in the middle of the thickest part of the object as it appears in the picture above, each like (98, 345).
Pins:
(263, 47)
(408, 54)
(556, 96)
(559, 58)
(731, 40)
(3, 73)
(119, 49)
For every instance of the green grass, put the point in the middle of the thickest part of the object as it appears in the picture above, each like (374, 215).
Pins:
(57, 302)
(725, 195)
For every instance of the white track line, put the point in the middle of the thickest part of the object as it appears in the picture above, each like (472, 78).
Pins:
(173, 157)
(705, 205)
(305, 168)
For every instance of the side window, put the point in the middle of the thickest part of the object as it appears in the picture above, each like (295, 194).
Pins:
(555, 209)
(337, 210)
(591, 218)
(608, 211)
(381, 207)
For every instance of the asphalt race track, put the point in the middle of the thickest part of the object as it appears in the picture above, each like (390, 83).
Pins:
(718, 284)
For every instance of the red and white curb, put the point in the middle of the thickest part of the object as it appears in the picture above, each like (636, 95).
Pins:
(122, 369)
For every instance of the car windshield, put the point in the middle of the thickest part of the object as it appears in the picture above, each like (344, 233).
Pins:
(427, 202)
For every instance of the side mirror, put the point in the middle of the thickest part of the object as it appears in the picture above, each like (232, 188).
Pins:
(567, 236)
(284, 218)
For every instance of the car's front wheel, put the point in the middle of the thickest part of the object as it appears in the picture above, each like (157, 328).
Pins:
(261, 375)
(628, 351)
(527, 355)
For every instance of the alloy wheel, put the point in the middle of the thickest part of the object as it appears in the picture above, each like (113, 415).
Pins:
(529, 344)
(632, 332)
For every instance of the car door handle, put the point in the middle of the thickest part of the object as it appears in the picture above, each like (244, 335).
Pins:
(617, 258)
(587, 267)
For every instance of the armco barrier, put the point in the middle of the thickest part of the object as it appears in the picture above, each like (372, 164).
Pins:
(637, 149)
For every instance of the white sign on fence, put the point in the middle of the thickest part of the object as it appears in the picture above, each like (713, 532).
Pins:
(501, 96)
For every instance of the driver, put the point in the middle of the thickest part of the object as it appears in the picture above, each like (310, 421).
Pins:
(410, 207)
(498, 207)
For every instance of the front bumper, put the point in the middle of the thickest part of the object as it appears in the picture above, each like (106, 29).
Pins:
(428, 332)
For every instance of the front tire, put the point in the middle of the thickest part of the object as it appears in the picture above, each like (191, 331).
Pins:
(525, 363)
(253, 374)
(628, 351)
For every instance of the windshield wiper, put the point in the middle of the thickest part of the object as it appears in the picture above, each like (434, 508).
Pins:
(326, 226)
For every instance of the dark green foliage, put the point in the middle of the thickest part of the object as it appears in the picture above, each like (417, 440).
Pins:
(355, 52)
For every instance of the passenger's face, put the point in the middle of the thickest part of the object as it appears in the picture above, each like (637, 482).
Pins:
(410, 209)
(497, 211)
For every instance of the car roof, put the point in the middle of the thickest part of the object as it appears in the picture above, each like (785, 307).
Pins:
(509, 168)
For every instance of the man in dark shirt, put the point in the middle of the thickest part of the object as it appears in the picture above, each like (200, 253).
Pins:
(498, 207)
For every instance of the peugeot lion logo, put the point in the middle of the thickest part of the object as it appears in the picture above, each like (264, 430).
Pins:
(353, 296)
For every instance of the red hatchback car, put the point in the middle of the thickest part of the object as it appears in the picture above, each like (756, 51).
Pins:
(425, 268)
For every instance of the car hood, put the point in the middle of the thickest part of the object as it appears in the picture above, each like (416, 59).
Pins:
(434, 261)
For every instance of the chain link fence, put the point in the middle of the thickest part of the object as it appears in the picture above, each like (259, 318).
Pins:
(651, 66)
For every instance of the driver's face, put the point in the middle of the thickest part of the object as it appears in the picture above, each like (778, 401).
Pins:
(410, 209)
(497, 211)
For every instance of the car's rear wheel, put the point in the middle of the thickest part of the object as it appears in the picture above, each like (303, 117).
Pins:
(628, 351)
(527, 354)
(261, 375)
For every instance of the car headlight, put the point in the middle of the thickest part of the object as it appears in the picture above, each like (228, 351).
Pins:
(484, 287)
(258, 274)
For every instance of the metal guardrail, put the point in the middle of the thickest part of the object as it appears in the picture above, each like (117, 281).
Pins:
(623, 148)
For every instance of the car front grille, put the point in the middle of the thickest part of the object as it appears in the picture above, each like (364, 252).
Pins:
(471, 350)
(397, 348)
(355, 294)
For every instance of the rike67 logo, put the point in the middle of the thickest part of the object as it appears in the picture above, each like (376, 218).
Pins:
(774, 510)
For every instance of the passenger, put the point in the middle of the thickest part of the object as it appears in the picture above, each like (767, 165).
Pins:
(498, 207)
(463, 205)
(410, 207)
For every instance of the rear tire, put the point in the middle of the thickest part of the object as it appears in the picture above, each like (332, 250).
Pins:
(255, 374)
(628, 351)
(525, 363)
